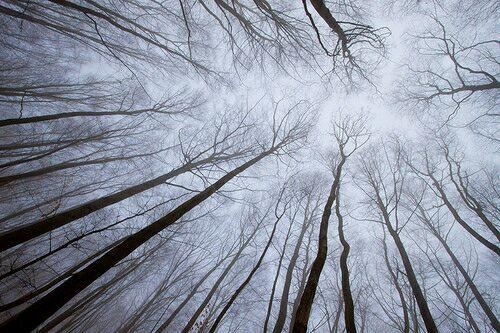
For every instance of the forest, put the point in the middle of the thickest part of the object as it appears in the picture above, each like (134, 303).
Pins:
(201, 166)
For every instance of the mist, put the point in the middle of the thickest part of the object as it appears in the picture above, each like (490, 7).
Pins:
(249, 166)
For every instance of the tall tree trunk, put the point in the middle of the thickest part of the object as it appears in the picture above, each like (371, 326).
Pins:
(459, 219)
(489, 224)
(469, 200)
(63, 166)
(45, 307)
(468, 279)
(26, 232)
(302, 280)
(305, 305)
(276, 277)
(248, 278)
(72, 241)
(26, 298)
(98, 292)
(394, 278)
(66, 115)
(285, 294)
(218, 282)
(336, 320)
(479, 297)
(414, 315)
(350, 322)
(410, 274)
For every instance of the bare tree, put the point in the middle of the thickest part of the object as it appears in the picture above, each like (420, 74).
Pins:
(462, 180)
(307, 196)
(459, 68)
(225, 146)
(278, 269)
(436, 229)
(350, 135)
(402, 322)
(350, 323)
(242, 286)
(145, 145)
(285, 132)
(386, 184)
(352, 37)
(429, 172)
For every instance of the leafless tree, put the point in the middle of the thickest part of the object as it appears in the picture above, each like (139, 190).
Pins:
(350, 135)
(286, 132)
(307, 202)
(162, 166)
(386, 184)
(457, 79)
(437, 229)
(436, 175)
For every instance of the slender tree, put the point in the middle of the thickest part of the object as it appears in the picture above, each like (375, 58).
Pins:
(387, 189)
(350, 323)
(50, 303)
(424, 217)
(347, 131)
(247, 280)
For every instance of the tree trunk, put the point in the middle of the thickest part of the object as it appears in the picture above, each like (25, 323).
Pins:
(45, 307)
(350, 322)
(484, 305)
(468, 279)
(276, 277)
(72, 241)
(469, 318)
(65, 115)
(247, 280)
(410, 274)
(302, 281)
(466, 196)
(283, 309)
(460, 221)
(87, 300)
(63, 166)
(27, 232)
(394, 278)
(23, 299)
(305, 305)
